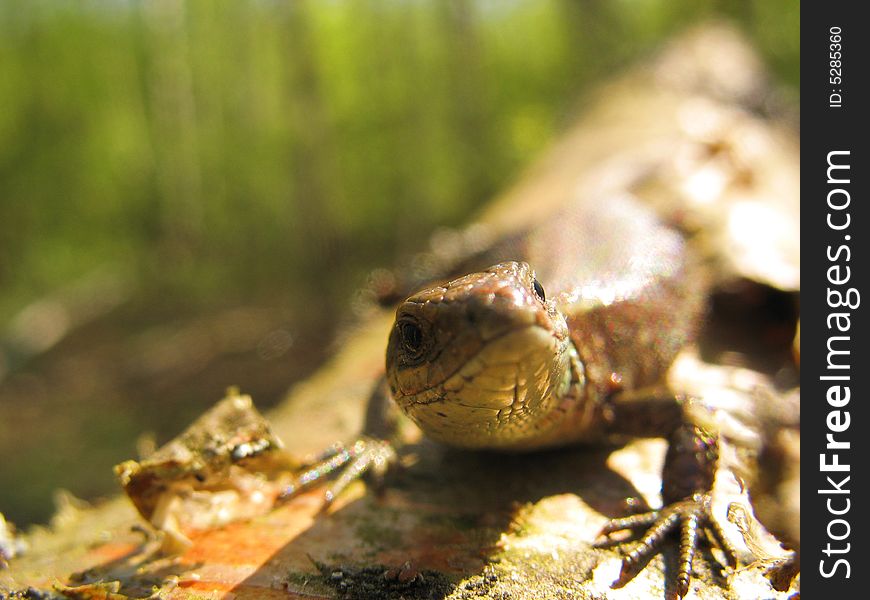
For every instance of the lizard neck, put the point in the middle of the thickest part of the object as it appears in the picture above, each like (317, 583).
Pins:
(573, 413)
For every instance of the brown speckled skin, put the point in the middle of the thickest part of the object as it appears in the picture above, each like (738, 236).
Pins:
(631, 292)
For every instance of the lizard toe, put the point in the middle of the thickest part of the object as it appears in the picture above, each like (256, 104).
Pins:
(345, 464)
(689, 517)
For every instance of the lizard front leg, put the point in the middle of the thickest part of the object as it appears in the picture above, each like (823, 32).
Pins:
(687, 481)
(372, 452)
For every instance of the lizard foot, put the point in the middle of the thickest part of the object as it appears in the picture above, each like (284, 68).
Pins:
(345, 464)
(689, 516)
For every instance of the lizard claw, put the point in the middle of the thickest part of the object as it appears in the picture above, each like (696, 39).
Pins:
(689, 516)
(364, 455)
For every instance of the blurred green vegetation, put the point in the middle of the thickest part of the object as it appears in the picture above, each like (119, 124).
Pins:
(217, 148)
(261, 152)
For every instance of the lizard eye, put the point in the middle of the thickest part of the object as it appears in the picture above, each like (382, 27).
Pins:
(412, 338)
(539, 290)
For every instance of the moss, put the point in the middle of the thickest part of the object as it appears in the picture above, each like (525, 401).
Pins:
(466, 523)
(376, 534)
(305, 583)
(379, 582)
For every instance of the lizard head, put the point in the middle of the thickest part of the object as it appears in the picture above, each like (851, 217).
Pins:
(475, 361)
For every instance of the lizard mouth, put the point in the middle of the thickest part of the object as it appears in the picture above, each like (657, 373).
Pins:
(499, 352)
(487, 401)
(499, 355)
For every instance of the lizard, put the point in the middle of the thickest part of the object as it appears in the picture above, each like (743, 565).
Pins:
(566, 338)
